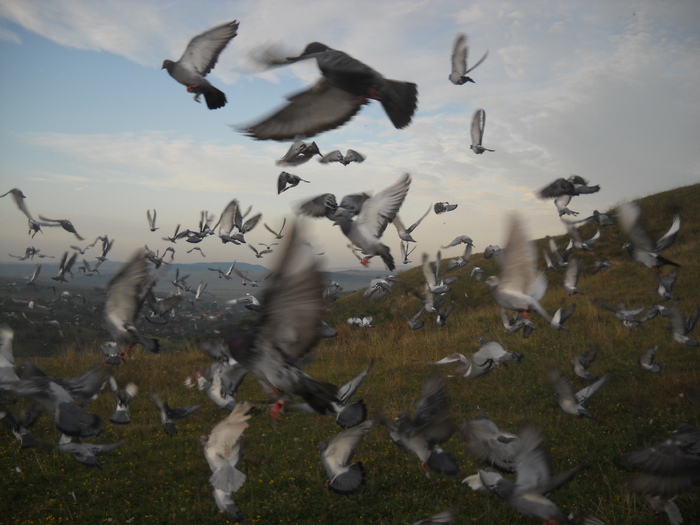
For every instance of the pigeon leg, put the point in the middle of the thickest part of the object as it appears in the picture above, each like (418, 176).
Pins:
(191, 89)
(276, 412)
(365, 261)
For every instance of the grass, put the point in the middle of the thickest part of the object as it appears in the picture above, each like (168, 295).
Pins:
(154, 478)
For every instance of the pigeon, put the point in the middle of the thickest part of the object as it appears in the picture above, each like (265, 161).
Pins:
(561, 316)
(199, 58)
(442, 207)
(600, 265)
(121, 413)
(65, 267)
(87, 453)
(405, 233)
(647, 360)
(432, 424)
(175, 236)
(666, 284)
(573, 186)
(641, 246)
(336, 156)
(681, 327)
(124, 301)
(624, 314)
(289, 329)
(496, 352)
(249, 301)
(476, 273)
(668, 469)
(460, 53)
(168, 414)
(519, 287)
(344, 477)
(462, 260)
(533, 481)
(492, 250)
(373, 215)
(441, 518)
(151, 220)
(435, 284)
(441, 318)
(571, 277)
(259, 254)
(278, 235)
(69, 417)
(478, 123)
(413, 322)
(19, 197)
(20, 426)
(222, 450)
(287, 180)
(299, 153)
(581, 362)
(472, 368)
(346, 84)
(568, 401)
(65, 224)
(486, 443)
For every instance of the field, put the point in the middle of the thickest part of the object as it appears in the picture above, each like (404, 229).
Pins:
(154, 478)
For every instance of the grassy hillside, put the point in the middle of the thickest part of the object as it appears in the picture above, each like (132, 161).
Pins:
(154, 478)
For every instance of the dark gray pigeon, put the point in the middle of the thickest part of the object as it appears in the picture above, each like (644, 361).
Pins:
(87, 453)
(199, 59)
(168, 414)
(346, 85)
(287, 180)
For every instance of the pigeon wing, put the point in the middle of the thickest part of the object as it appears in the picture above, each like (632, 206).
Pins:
(380, 209)
(478, 123)
(203, 50)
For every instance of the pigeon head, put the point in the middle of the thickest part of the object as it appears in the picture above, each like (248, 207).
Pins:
(314, 47)
(167, 64)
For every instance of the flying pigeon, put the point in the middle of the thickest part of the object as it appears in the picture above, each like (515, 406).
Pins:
(20, 426)
(222, 450)
(124, 301)
(492, 250)
(486, 443)
(681, 327)
(641, 246)
(568, 401)
(573, 186)
(87, 453)
(168, 414)
(442, 207)
(199, 59)
(432, 424)
(668, 469)
(571, 276)
(346, 85)
(519, 287)
(151, 220)
(472, 368)
(373, 215)
(413, 322)
(534, 480)
(121, 413)
(581, 362)
(344, 477)
(278, 235)
(287, 180)
(647, 360)
(666, 284)
(462, 260)
(299, 153)
(65, 224)
(561, 316)
(289, 330)
(460, 53)
(478, 123)
(405, 233)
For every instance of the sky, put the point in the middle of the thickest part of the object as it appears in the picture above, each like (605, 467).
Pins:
(92, 130)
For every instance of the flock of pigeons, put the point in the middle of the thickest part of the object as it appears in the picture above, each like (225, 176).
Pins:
(293, 306)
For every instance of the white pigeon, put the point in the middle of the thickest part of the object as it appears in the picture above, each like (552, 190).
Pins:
(222, 449)
(519, 287)
(199, 59)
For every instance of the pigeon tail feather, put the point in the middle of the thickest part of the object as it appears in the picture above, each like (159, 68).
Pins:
(399, 100)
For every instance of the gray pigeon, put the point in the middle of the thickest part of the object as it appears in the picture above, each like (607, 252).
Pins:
(666, 284)
(441, 518)
(299, 153)
(87, 453)
(568, 401)
(413, 322)
(344, 477)
(460, 53)
(199, 59)
(668, 469)
(121, 413)
(571, 274)
(534, 480)
(641, 246)
(168, 414)
(680, 326)
(647, 360)
(405, 233)
(478, 123)
(20, 426)
(581, 362)
(346, 85)
(442, 207)
(432, 425)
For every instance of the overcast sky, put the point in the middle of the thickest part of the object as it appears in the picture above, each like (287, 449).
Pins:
(92, 130)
